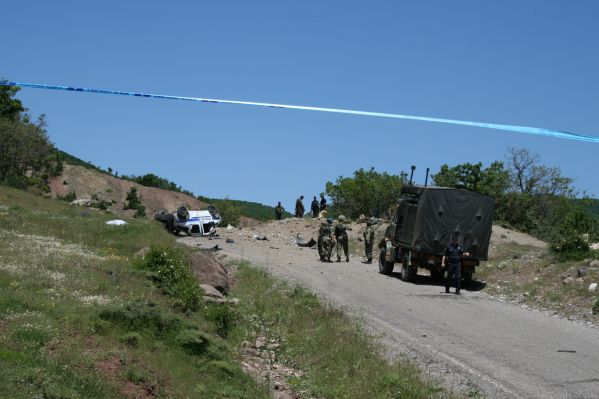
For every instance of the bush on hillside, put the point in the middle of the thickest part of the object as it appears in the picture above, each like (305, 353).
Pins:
(229, 212)
(134, 202)
(170, 269)
(368, 192)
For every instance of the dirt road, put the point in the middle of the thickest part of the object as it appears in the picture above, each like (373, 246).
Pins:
(470, 342)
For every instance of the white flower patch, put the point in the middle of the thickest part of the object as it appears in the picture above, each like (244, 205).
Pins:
(95, 299)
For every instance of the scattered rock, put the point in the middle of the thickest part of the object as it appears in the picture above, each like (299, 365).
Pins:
(230, 241)
(87, 202)
(568, 280)
(260, 343)
(594, 263)
(593, 287)
(210, 291)
(582, 271)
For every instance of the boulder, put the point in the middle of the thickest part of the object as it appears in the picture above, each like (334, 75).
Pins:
(568, 280)
(210, 271)
(593, 287)
(594, 263)
(211, 291)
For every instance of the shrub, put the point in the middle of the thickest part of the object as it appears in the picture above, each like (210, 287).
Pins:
(193, 341)
(140, 316)
(229, 212)
(171, 271)
(131, 339)
(134, 202)
(223, 316)
(70, 197)
(368, 192)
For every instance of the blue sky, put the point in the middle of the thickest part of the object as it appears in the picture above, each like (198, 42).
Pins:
(533, 63)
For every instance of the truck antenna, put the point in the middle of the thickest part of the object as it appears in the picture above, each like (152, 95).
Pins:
(413, 167)
(426, 179)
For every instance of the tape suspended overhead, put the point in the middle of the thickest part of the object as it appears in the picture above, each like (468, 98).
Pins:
(510, 128)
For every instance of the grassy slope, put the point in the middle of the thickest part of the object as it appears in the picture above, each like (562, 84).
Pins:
(534, 277)
(77, 320)
(338, 358)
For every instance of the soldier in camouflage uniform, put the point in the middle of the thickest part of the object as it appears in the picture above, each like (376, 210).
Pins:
(342, 238)
(279, 211)
(325, 240)
(369, 239)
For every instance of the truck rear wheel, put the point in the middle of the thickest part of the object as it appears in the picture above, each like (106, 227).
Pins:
(408, 272)
(384, 266)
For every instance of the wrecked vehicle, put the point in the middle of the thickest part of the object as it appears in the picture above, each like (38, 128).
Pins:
(423, 223)
(190, 222)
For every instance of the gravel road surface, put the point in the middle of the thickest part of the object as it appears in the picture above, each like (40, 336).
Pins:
(470, 343)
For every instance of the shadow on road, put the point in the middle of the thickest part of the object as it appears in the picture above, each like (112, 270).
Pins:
(473, 285)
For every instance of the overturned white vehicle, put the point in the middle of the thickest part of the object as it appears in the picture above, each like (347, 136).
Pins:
(190, 222)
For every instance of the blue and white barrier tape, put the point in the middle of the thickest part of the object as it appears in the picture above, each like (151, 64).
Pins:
(510, 128)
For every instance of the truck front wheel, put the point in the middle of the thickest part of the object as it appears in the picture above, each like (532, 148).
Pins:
(384, 266)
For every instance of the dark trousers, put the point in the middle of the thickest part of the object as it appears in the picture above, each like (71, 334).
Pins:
(454, 271)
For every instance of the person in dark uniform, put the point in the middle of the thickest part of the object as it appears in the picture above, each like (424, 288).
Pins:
(323, 202)
(452, 259)
(315, 207)
(299, 207)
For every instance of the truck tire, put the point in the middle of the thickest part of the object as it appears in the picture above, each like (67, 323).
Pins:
(384, 266)
(408, 273)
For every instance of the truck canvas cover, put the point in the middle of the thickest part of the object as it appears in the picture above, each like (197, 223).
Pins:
(440, 212)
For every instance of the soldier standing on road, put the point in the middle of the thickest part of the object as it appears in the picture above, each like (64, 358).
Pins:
(323, 202)
(342, 238)
(279, 211)
(452, 259)
(369, 239)
(299, 207)
(325, 240)
(315, 208)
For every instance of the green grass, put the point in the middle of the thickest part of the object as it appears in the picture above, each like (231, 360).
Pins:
(81, 316)
(338, 358)
(78, 320)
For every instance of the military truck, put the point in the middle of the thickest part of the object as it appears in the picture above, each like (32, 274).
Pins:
(425, 220)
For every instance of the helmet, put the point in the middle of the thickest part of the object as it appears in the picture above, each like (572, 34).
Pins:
(329, 221)
(341, 218)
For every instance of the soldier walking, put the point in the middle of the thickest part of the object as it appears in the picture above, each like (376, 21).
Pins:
(279, 211)
(299, 207)
(325, 240)
(369, 239)
(315, 208)
(342, 238)
(452, 259)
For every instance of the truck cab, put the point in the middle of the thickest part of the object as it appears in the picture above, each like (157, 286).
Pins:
(422, 225)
